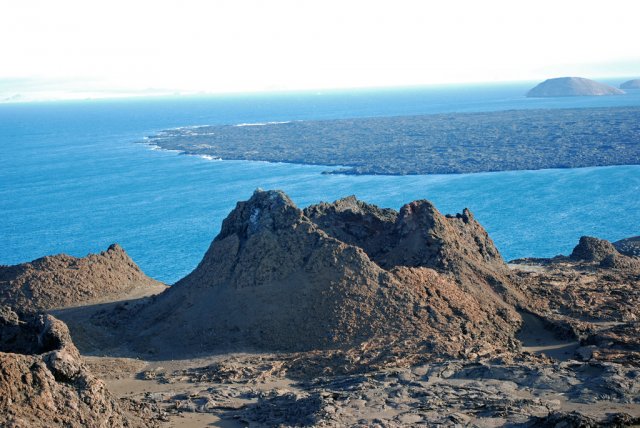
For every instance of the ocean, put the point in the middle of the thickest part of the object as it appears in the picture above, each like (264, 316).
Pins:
(76, 178)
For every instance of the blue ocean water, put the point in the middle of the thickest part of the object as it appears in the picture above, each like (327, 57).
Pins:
(74, 179)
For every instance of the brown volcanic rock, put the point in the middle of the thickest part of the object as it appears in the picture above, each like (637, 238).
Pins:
(620, 343)
(62, 281)
(43, 382)
(274, 279)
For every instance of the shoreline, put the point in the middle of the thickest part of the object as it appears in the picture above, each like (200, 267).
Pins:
(348, 171)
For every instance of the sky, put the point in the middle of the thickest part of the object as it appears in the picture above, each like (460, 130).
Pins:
(92, 48)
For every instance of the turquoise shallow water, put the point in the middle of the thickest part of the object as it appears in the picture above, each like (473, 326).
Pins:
(74, 180)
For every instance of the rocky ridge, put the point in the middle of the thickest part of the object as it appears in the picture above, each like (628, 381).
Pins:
(572, 87)
(279, 278)
(62, 281)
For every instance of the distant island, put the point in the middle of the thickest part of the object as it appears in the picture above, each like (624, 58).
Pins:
(631, 84)
(572, 87)
(428, 144)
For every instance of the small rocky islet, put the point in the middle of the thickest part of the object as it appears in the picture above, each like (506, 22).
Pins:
(339, 314)
(572, 87)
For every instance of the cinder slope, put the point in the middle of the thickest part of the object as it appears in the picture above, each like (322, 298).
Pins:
(273, 279)
(62, 281)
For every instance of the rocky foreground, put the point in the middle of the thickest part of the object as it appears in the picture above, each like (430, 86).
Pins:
(44, 382)
(346, 314)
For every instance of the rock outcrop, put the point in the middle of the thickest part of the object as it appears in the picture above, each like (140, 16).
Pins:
(572, 87)
(594, 250)
(590, 249)
(631, 84)
(43, 382)
(337, 275)
(61, 280)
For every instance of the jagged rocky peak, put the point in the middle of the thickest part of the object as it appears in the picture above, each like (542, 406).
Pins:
(43, 381)
(336, 275)
(265, 210)
(355, 222)
(258, 243)
(418, 236)
(440, 239)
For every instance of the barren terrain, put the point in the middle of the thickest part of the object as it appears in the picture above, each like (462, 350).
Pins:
(262, 333)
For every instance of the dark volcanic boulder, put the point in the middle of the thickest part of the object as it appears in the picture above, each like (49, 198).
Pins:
(43, 381)
(334, 276)
(595, 250)
(591, 249)
(572, 87)
(61, 280)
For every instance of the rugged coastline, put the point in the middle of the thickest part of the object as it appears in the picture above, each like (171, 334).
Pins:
(428, 144)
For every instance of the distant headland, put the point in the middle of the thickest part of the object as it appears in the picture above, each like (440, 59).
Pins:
(428, 144)
(631, 84)
(572, 87)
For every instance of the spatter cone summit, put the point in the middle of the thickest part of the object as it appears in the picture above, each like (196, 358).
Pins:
(338, 275)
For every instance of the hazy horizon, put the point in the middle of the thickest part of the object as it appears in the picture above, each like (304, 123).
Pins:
(76, 50)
